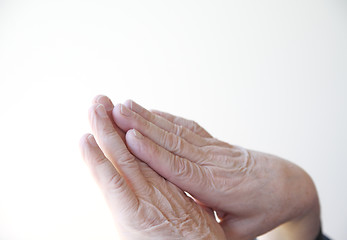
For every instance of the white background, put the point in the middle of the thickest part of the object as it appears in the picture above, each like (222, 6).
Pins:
(266, 75)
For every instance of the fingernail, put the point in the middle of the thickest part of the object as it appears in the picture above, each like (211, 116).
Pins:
(125, 111)
(106, 102)
(92, 141)
(137, 134)
(101, 111)
(129, 104)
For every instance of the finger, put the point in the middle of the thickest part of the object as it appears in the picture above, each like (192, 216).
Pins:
(127, 119)
(113, 186)
(115, 150)
(167, 125)
(185, 174)
(208, 140)
(189, 124)
(104, 100)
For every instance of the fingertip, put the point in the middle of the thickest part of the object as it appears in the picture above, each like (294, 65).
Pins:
(116, 109)
(84, 140)
(91, 141)
(137, 134)
(134, 135)
(116, 113)
(88, 139)
(134, 140)
(104, 100)
(85, 145)
(95, 99)
(124, 117)
(91, 110)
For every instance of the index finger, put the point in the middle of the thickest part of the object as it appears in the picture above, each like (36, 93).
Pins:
(115, 149)
(104, 100)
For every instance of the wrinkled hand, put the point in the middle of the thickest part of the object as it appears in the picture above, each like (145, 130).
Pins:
(144, 205)
(252, 192)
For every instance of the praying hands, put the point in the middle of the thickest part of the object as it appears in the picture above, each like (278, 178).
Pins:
(146, 161)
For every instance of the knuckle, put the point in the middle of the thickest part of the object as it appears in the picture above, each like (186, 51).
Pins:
(197, 128)
(175, 119)
(173, 143)
(181, 168)
(123, 156)
(99, 159)
(214, 142)
(195, 125)
(145, 123)
(109, 131)
(152, 117)
(115, 182)
(96, 163)
(178, 130)
(108, 136)
(208, 150)
(165, 140)
(177, 145)
(206, 155)
(153, 152)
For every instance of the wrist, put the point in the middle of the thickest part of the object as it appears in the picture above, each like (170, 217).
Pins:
(306, 225)
(300, 204)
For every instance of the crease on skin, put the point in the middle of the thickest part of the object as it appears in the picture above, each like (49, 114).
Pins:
(167, 220)
(184, 230)
(242, 163)
(248, 164)
(142, 111)
(157, 209)
(207, 230)
(179, 130)
(181, 147)
(176, 129)
(147, 233)
(115, 182)
(212, 185)
(182, 198)
(184, 170)
(223, 185)
(174, 209)
(182, 223)
(215, 142)
(163, 225)
(171, 143)
(183, 218)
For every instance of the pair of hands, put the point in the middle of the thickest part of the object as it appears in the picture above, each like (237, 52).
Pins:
(144, 173)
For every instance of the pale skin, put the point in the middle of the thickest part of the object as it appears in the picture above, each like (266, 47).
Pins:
(143, 204)
(253, 193)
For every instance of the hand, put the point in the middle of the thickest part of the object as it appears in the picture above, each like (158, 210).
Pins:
(252, 192)
(144, 205)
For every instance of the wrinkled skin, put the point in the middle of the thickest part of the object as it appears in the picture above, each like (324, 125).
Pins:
(144, 204)
(251, 192)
